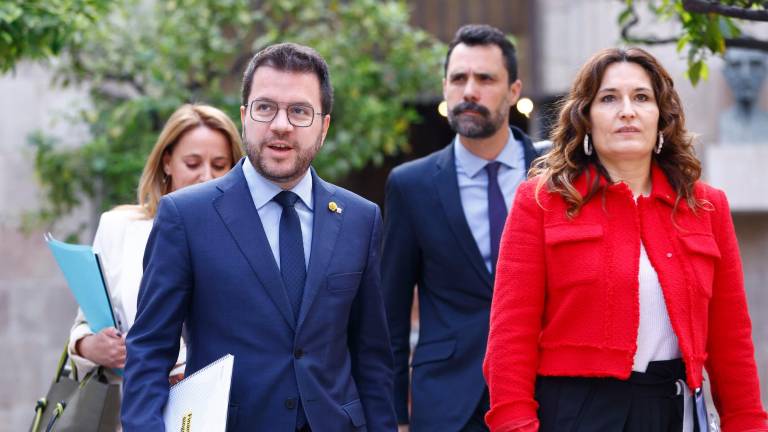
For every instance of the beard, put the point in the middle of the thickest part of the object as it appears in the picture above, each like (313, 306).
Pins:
(472, 126)
(276, 174)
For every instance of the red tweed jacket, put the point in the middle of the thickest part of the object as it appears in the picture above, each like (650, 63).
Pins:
(566, 299)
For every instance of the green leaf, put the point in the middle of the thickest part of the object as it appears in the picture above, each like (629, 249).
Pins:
(702, 34)
(704, 71)
(683, 41)
(695, 71)
(624, 16)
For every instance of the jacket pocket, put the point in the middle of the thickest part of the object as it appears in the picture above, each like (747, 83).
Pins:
(355, 412)
(342, 282)
(433, 351)
(574, 254)
(703, 254)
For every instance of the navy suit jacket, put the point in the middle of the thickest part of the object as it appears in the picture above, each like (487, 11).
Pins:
(428, 242)
(208, 265)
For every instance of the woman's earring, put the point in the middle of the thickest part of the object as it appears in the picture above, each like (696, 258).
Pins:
(587, 147)
(165, 178)
(661, 143)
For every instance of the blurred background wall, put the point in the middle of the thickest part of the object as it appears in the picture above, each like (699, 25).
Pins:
(36, 308)
(554, 38)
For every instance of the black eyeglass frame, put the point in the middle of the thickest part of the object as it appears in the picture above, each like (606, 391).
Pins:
(285, 107)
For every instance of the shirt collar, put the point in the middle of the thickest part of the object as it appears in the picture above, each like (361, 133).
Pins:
(263, 190)
(473, 164)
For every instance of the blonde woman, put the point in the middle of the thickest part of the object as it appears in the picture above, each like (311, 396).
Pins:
(198, 143)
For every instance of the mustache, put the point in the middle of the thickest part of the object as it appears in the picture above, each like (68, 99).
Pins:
(470, 106)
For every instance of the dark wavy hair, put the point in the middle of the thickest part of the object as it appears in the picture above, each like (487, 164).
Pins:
(567, 160)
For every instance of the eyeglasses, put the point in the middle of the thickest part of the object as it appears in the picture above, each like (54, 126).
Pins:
(299, 115)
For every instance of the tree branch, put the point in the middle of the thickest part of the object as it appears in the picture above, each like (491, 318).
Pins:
(644, 40)
(740, 42)
(127, 79)
(83, 73)
(748, 43)
(707, 6)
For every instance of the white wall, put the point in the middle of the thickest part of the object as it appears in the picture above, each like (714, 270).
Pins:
(36, 308)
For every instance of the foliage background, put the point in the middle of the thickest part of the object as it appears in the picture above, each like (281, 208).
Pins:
(38, 29)
(706, 27)
(143, 59)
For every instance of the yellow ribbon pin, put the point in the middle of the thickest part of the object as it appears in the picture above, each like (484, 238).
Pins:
(186, 422)
(332, 206)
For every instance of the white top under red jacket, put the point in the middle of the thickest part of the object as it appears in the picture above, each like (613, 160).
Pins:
(566, 296)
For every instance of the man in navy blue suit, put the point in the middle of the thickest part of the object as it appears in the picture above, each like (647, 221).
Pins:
(273, 265)
(444, 215)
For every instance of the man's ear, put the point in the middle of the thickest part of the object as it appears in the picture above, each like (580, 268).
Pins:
(513, 93)
(326, 125)
(445, 90)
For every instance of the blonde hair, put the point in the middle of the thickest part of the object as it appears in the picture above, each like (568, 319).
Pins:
(153, 184)
(559, 168)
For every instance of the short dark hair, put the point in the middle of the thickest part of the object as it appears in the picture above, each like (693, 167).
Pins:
(483, 34)
(293, 58)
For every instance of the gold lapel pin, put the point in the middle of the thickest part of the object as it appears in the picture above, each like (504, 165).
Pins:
(332, 206)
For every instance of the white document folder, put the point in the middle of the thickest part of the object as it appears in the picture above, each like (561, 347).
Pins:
(200, 401)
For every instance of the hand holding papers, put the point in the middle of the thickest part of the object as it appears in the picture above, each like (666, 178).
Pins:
(200, 401)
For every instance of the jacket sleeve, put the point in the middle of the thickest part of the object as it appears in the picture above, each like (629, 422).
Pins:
(731, 355)
(511, 360)
(400, 270)
(369, 341)
(153, 341)
(79, 330)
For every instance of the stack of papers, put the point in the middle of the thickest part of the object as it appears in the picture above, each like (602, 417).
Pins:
(200, 401)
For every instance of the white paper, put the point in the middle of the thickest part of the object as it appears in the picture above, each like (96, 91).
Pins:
(200, 401)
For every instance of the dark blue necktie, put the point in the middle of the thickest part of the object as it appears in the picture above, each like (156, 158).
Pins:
(292, 265)
(497, 210)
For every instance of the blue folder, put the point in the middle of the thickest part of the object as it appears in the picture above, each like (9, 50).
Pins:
(84, 275)
(82, 270)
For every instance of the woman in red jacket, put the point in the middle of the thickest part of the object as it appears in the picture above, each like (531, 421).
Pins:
(619, 276)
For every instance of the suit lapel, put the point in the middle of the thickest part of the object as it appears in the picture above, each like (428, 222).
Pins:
(237, 211)
(326, 225)
(447, 185)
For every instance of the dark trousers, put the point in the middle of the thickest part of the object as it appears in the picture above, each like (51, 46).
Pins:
(647, 402)
(476, 423)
